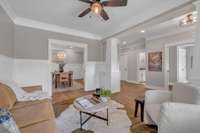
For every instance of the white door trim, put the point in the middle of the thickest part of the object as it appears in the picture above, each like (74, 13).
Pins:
(138, 62)
(68, 43)
(166, 58)
(125, 78)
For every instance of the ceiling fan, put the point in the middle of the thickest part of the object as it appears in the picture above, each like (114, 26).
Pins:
(97, 7)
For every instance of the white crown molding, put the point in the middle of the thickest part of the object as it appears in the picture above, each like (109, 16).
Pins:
(196, 3)
(44, 26)
(173, 32)
(54, 28)
(5, 5)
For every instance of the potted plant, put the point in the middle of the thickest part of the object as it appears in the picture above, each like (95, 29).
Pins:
(105, 92)
(61, 67)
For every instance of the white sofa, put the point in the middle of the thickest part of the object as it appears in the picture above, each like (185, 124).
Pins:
(176, 111)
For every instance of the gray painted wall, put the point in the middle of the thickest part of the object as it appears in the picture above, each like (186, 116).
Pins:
(33, 44)
(158, 78)
(173, 64)
(133, 62)
(6, 34)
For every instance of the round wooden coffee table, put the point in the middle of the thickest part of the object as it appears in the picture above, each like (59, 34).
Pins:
(92, 111)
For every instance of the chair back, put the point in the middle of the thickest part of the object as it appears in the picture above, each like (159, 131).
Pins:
(186, 93)
(64, 76)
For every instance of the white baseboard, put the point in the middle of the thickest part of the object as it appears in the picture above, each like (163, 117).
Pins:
(132, 81)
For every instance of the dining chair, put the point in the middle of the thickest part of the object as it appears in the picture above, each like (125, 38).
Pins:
(64, 78)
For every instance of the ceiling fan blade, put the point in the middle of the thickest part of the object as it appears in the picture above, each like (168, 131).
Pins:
(115, 3)
(85, 12)
(86, 1)
(104, 15)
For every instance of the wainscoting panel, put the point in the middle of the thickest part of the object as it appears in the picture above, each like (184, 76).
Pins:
(29, 72)
(6, 67)
(95, 75)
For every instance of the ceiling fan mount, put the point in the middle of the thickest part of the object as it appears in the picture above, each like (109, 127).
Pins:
(97, 7)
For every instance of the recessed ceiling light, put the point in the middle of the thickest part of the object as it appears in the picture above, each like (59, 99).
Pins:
(124, 42)
(142, 31)
(71, 47)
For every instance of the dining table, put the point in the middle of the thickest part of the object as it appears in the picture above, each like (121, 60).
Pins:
(56, 76)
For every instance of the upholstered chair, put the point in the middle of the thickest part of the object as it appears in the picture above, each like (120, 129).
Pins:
(176, 111)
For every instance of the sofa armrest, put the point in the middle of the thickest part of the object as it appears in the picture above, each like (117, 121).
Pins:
(157, 96)
(31, 89)
(31, 112)
(179, 118)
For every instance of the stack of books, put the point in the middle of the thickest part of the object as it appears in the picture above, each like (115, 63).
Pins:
(88, 102)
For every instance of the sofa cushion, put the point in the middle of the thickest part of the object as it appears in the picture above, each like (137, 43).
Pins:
(185, 93)
(153, 110)
(28, 113)
(7, 97)
(42, 127)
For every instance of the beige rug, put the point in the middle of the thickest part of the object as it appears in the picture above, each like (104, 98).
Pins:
(119, 122)
(75, 86)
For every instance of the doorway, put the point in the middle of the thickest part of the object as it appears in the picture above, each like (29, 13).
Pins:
(72, 58)
(182, 70)
(124, 66)
(178, 63)
(141, 67)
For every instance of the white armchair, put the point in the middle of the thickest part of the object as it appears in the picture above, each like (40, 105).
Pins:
(176, 111)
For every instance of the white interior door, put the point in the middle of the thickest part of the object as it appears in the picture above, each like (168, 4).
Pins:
(141, 76)
(182, 70)
(123, 66)
(167, 69)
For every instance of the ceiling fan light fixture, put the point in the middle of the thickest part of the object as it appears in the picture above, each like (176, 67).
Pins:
(96, 8)
(188, 20)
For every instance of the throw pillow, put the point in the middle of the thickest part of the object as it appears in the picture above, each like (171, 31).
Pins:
(7, 123)
(19, 92)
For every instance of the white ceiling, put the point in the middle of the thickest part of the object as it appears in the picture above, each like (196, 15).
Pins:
(64, 13)
(166, 28)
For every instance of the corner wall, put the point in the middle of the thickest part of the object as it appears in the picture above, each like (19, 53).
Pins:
(24, 52)
(31, 54)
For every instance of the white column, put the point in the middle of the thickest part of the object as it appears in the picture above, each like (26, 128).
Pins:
(196, 52)
(112, 65)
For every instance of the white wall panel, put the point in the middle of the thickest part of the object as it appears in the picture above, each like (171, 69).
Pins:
(77, 69)
(6, 67)
(32, 72)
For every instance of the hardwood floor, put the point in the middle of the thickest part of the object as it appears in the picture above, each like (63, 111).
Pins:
(126, 97)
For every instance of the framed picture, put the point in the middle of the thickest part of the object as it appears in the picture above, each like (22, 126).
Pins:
(155, 61)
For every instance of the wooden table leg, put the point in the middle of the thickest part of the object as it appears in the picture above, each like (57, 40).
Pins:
(81, 120)
(136, 108)
(107, 118)
(142, 111)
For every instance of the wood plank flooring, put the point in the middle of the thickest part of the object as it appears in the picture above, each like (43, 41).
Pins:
(126, 97)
